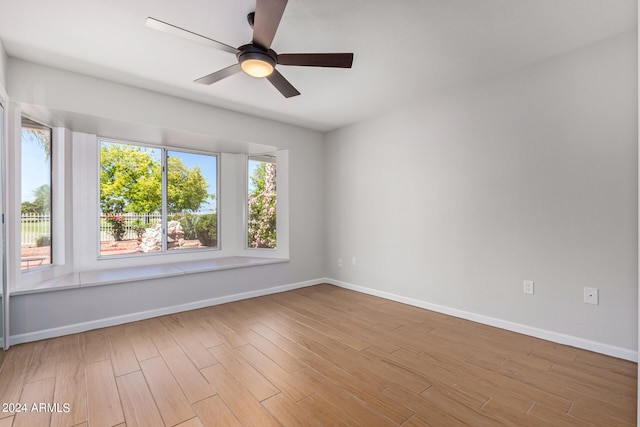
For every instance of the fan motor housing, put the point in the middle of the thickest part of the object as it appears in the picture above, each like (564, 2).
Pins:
(249, 51)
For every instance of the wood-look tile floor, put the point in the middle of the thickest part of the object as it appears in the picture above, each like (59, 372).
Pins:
(311, 357)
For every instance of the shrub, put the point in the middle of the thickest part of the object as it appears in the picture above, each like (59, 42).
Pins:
(261, 228)
(118, 226)
(206, 229)
(138, 227)
(43, 241)
(187, 221)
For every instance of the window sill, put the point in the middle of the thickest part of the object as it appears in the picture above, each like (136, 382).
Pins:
(87, 279)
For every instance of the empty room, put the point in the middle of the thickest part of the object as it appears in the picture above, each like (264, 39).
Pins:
(303, 213)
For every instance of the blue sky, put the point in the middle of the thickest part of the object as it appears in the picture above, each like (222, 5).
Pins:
(36, 170)
(253, 165)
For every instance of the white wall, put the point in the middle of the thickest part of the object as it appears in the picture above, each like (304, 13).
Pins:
(3, 66)
(104, 105)
(456, 200)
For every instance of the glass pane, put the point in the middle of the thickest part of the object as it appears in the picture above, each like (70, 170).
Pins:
(130, 199)
(191, 201)
(35, 216)
(261, 203)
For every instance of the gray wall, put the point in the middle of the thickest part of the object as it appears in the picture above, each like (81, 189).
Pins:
(456, 200)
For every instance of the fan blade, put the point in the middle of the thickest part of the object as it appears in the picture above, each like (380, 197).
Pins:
(266, 21)
(337, 60)
(219, 75)
(282, 84)
(181, 32)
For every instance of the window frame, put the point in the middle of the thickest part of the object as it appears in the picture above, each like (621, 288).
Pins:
(53, 229)
(164, 149)
(61, 228)
(283, 214)
(271, 158)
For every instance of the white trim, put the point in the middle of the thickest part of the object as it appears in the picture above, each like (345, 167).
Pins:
(638, 237)
(133, 317)
(610, 350)
(90, 278)
(4, 286)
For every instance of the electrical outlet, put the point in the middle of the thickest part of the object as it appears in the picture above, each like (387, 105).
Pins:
(528, 287)
(591, 296)
(339, 262)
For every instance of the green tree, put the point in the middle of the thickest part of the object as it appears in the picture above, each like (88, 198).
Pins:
(186, 188)
(131, 181)
(42, 202)
(261, 230)
(29, 208)
(43, 198)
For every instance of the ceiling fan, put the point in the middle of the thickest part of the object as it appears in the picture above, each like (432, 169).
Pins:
(257, 59)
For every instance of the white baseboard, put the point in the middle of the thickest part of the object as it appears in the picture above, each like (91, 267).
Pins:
(118, 320)
(598, 347)
(560, 338)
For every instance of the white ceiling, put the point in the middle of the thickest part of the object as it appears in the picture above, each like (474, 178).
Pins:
(404, 50)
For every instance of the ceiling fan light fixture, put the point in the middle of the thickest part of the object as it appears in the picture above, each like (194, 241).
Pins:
(256, 68)
(256, 62)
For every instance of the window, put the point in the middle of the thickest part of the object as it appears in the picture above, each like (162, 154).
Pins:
(261, 202)
(156, 200)
(35, 212)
